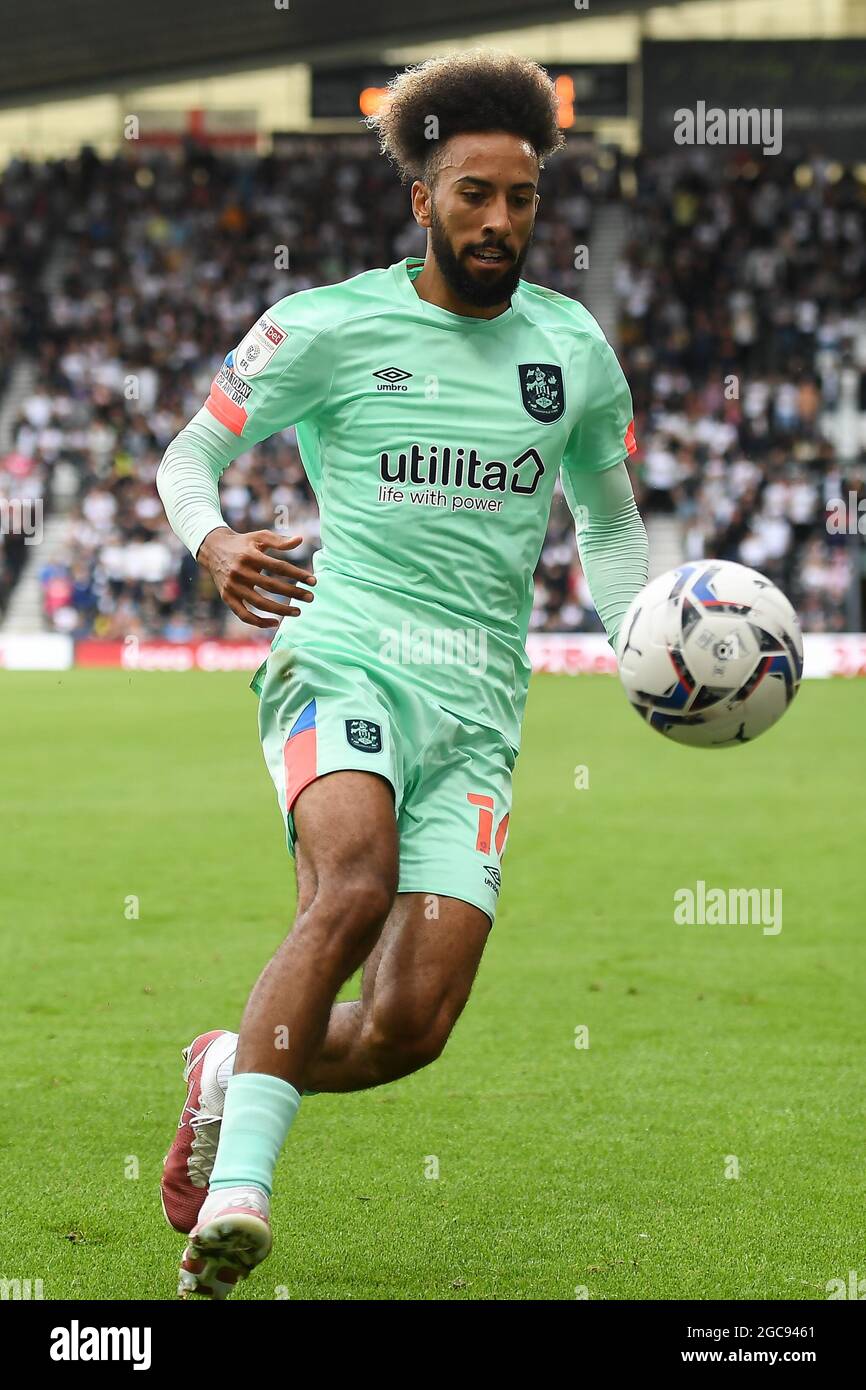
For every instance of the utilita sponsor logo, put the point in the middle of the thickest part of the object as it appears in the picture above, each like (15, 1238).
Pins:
(461, 467)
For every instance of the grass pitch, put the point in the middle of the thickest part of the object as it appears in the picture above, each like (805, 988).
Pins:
(605, 1171)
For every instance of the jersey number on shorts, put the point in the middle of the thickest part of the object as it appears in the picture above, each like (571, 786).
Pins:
(485, 824)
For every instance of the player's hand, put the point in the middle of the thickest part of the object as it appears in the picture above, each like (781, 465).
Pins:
(246, 576)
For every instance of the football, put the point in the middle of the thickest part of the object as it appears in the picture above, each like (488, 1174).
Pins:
(710, 654)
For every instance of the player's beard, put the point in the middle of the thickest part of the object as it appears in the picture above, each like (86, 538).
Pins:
(459, 278)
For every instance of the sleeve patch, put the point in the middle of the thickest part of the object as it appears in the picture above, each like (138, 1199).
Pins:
(629, 441)
(259, 346)
(227, 399)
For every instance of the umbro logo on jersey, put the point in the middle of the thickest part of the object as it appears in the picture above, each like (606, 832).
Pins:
(391, 379)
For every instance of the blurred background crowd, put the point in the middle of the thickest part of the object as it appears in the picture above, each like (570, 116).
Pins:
(740, 305)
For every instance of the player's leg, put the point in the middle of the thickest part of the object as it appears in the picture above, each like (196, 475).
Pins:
(346, 1017)
(343, 1062)
(347, 857)
(347, 824)
(414, 985)
(317, 719)
(453, 826)
(414, 988)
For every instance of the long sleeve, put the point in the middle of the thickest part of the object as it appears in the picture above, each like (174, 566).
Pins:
(611, 539)
(279, 373)
(187, 480)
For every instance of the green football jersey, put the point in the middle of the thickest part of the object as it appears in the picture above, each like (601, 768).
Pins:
(432, 442)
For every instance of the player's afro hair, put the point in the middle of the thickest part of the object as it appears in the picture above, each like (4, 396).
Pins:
(476, 90)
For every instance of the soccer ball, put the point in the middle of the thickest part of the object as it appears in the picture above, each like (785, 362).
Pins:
(710, 654)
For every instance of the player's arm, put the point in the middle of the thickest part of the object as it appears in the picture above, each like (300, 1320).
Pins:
(273, 378)
(611, 539)
(611, 536)
(188, 483)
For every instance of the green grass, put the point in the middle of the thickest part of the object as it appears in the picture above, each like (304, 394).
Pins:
(560, 1168)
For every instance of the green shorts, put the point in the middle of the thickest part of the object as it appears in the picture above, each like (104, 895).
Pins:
(451, 778)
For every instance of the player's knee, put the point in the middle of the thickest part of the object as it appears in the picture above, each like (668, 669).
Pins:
(405, 1039)
(348, 912)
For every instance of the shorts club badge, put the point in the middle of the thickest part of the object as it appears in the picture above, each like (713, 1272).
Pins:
(364, 735)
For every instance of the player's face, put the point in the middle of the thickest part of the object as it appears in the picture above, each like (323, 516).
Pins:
(481, 215)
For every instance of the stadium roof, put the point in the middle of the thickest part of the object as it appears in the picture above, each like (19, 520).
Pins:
(76, 46)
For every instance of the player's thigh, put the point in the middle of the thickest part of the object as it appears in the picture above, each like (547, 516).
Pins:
(345, 839)
(334, 753)
(421, 971)
(454, 818)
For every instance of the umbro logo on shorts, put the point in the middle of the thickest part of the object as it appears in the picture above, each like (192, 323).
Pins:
(364, 735)
(492, 877)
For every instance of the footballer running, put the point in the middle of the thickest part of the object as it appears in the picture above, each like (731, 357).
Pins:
(393, 776)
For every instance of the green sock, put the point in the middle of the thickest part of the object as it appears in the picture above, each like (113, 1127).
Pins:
(257, 1116)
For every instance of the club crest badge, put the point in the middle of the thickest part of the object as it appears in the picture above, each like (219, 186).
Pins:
(542, 390)
(364, 735)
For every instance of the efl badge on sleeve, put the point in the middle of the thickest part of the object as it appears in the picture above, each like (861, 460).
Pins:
(259, 346)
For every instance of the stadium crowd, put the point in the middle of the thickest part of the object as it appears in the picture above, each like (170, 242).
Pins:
(742, 297)
(742, 326)
(28, 202)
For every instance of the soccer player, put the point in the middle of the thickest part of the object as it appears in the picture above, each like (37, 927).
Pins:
(435, 404)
